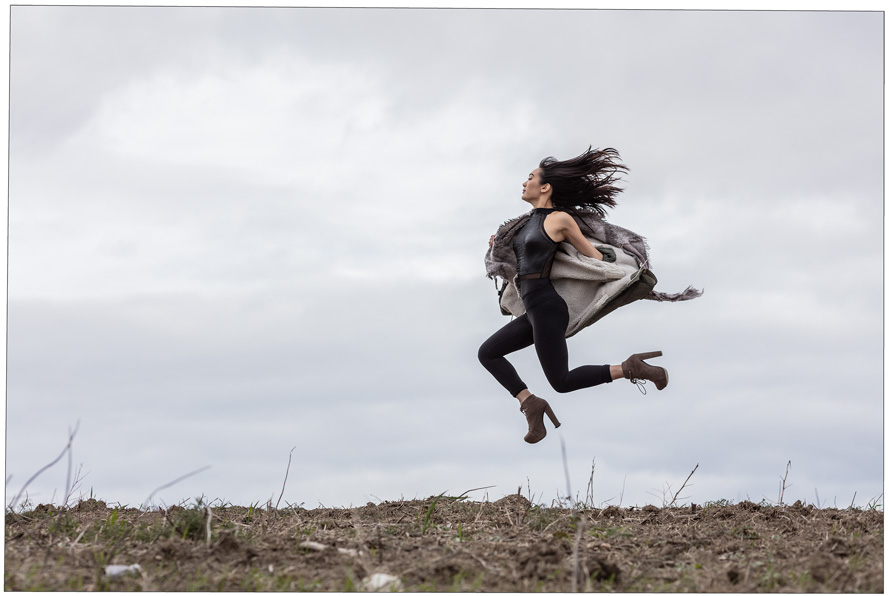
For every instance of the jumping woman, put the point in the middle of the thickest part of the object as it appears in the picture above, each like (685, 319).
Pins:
(561, 193)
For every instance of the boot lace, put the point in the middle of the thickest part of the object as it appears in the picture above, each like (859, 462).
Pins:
(640, 383)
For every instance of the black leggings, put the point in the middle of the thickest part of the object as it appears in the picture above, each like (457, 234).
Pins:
(543, 324)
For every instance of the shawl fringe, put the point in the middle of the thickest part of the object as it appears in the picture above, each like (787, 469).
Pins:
(689, 293)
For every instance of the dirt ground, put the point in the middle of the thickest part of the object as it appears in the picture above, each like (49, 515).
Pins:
(448, 544)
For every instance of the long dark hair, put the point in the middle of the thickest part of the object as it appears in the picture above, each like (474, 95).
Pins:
(586, 182)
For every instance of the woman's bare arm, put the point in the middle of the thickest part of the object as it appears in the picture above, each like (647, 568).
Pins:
(565, 229)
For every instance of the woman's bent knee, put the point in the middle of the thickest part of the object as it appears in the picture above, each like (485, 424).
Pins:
(484, 353)
(560, 385)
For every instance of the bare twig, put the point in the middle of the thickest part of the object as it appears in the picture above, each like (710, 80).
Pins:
(71, 435)
(479, 512)
(663, 495)
(169, 484)
(621, 502)
(209, 519)
(783, 484)
(78, 479)
(676, 496)
(79, 536)
(589, 487)
(551, 524)
(466, 492)
(575, 574)
(289, 457)
(68, 478)
(567, 477)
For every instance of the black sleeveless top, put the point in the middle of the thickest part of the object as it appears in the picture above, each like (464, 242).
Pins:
(534, 249)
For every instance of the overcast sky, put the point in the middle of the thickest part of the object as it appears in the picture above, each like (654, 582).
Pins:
(234, 232)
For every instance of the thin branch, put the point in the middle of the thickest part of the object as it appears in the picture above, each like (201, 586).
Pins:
(286, 473)
(623, 486)
(575, 574)
(479, 511)
(68, 478)
(683, 486)
(464, 493)
(79, 536)
(71, 435)
(567, 478)
(78, 479)
(783, 484)
(589, 488)
(169, 484)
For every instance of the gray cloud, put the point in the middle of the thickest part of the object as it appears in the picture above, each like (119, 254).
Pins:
(244, 230)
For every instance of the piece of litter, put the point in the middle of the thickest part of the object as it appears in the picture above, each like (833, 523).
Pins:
(121, 570)
(312, 545)
(347, 551)
(381, 581)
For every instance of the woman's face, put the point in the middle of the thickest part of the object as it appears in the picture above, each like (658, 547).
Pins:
(532, 186)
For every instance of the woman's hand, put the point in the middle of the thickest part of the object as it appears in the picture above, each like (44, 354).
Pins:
(491, 241)
(595, 252)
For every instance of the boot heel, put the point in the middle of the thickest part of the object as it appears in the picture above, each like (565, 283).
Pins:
(552, 416)
(638, 371)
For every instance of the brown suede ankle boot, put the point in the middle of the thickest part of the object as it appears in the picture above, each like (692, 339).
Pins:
(638, 371)
(533, 408)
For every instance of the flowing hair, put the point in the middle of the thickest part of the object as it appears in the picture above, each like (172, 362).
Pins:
(586, 182)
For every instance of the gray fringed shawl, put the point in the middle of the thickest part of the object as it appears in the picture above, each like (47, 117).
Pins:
(587, 285)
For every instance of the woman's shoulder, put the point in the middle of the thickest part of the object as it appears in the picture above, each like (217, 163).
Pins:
(563, 218)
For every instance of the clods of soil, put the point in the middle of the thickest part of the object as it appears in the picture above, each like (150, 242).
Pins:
(448, 544)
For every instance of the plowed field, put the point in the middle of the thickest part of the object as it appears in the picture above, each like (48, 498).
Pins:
(448, 544)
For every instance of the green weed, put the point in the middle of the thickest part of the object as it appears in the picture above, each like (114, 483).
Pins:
(303, 586)
(65, 525)
(604, 533)
(428, 519)
(251, 510)
(745, 532)
(190, 523)
(718, 503)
